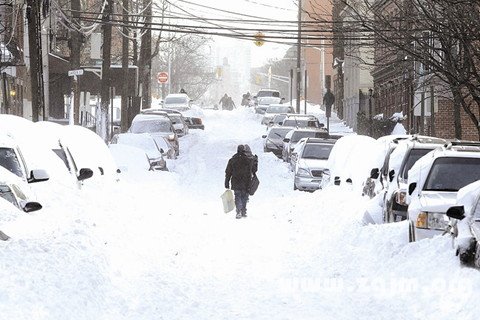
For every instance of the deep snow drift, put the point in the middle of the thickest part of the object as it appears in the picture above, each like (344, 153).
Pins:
(157, 245)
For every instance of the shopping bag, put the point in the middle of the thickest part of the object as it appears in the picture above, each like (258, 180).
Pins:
(228, 201)
(253, 185)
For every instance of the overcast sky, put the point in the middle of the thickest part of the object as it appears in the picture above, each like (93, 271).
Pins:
(272, 9)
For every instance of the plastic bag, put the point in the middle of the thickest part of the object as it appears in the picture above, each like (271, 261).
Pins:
(228, 201)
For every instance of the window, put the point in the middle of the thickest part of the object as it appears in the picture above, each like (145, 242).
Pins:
(147, 126)
(452, 173)
(317, 151)
(9, 160)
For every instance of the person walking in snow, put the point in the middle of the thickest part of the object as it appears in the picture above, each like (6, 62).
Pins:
(239, 172)
(223, 101)
(253, 158)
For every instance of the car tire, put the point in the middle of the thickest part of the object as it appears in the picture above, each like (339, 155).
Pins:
(295, 186)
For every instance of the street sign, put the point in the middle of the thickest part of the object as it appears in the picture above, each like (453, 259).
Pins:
(77, 72)
(162, 77)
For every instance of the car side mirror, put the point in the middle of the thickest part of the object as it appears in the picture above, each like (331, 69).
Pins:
(287, 140)
(280, 123)
(264, 136)
(30, 206)
(85, 173)
(321, 125)
(162, 151)
(456, 212)
(178, 131)
(336, 181)
(374, 173)
(391, 175)
(254, 97)
(38, 176)
(412, 187)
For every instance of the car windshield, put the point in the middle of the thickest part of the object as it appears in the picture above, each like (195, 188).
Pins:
(7, 194)
(268, 100)
(297, 135)
(268, 94)
(300, 123)
(278, 133)
(413, 156)
(9, 160)
(147, 126)
(452, 173)
(175, 100)
(317, 151)
(175, 119)
(277, 109)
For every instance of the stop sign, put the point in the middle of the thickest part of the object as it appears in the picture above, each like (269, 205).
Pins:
(162, 77)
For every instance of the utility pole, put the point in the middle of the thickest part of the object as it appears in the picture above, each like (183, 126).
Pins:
(102, 116)
(432, 111)
(75, 49)
(36, 65)
(145, 65)
(299, 54)
(125, 40)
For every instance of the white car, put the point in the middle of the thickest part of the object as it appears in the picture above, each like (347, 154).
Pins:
(147, 144)
(465, 224)
(294, 136)
(179, 101)
(433, 183)
(275, 109)
(311, 163)
(401, 160)
(156, 125)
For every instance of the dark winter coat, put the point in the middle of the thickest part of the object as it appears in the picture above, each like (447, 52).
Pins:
(239, 171)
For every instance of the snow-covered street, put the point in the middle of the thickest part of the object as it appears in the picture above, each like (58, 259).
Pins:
(157, 245)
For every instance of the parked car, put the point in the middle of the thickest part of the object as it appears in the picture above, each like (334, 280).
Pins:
(465, 224)
(294, 136)
(264, 102)
(275, 109)
(147, 144)
(177, 101)
(310, 163)
(11, 158)
(278, 119)
(395, 173)
(302, 121)
(273, 140)
(166, 146)
(262, 93)
(194, 123)
(433, 183)
(129, 158)
(156, 125)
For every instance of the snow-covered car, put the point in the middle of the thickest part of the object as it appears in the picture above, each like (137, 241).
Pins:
(273, 140)
(53, 136)
(165, 146)
(11, 158)
(156, 125)
(433, 183)
(465, 224)
(16, 191)
(178, 120)
(129, 158)
(310, 163)
(351, 161)
(395, 176)
(302, 121)
(264, 102)
(194, 123)
(294, 136)
(177, 101)
(146, 143)
(278, 119)
(275, 109)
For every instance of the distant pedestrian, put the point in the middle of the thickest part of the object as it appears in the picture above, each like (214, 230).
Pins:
(230, 103)
(223, 101)
(239, 173)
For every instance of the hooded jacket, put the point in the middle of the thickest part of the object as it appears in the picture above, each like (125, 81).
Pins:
(239, 170)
